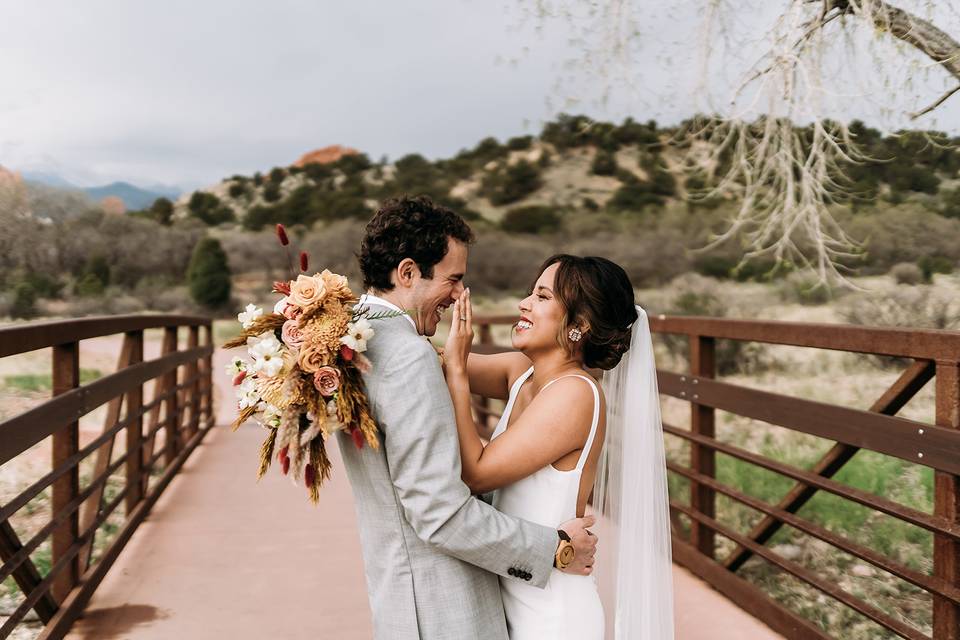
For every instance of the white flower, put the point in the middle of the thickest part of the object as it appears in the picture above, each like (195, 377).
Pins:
(271, 414)
(357, 335)
(247, 394)
(281, 305)
(247, 317)
(267, 353)
(236, 366)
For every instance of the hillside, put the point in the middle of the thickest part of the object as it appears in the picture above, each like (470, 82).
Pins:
(532, 183)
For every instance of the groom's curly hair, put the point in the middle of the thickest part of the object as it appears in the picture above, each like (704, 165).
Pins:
(408, 227)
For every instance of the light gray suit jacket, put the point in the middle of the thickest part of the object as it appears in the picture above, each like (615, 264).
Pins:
(432, 552)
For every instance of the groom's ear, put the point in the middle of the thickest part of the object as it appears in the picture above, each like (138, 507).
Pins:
(407, 271)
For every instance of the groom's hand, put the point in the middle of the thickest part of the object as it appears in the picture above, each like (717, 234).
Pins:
(584, 545)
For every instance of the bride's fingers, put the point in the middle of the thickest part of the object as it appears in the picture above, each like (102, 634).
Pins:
(469, 309)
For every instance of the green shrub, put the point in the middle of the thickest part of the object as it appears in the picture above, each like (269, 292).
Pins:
(277, 175)
(98, 267)
(907, 273)
(209, 274)
(24, 301)
(318, 171)
(604, 164)
(634, 196)
(237, 190)
(806, 288)
(930, 265)
(161, 211)
(89, 286)
(353, 163)
(207, 208)
(512, 183)
(258, 179)
(520, 143)
(271, 193)
(532, 219)
(950, 206)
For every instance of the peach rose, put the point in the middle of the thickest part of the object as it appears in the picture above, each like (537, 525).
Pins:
(307, 291)
(311, 358)
(291, 311)
(335, 284)
(291, 335)
(326, 380)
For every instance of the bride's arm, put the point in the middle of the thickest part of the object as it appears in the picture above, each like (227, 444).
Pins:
(490, 375)
(554, 424)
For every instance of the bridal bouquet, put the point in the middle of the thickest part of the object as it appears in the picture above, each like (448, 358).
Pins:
(301, 380)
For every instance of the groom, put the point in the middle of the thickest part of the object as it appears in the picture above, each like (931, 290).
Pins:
(432, 552)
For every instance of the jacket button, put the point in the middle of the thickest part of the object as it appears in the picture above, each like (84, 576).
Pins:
(527, 576)
(511, 571)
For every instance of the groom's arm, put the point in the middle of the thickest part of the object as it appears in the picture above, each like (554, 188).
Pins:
(423, 454)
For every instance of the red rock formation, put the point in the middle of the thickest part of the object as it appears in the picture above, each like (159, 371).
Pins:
(325, 155)
(113, 206)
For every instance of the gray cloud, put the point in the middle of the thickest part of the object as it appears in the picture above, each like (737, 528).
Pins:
(189, 92)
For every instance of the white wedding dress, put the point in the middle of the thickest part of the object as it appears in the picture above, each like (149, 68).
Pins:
(569, 607)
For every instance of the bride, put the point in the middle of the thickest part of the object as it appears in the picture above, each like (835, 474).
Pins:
(563, 438)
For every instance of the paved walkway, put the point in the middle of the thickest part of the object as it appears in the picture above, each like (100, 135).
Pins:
(222, 556)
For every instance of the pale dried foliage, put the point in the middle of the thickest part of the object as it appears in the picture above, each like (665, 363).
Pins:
(774, 135)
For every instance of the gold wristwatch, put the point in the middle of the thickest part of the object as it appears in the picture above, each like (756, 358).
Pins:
(565, 552)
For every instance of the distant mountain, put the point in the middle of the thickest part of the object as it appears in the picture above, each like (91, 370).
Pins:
(133, 197)
(49, 179)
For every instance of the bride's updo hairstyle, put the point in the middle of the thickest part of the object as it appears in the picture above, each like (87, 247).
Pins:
(596, 294)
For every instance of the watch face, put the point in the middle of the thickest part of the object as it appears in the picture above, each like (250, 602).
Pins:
(566, 554)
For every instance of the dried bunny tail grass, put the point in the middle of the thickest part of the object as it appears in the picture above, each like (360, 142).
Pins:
(322, 466)
(269, 322)
(244, 415)
(266, 453)
(352, 406)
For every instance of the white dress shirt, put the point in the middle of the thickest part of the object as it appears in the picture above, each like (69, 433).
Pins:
(368, 299)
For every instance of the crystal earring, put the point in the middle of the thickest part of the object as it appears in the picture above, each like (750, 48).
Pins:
(574, 335)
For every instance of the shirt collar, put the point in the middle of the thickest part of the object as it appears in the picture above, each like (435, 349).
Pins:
(368, 299)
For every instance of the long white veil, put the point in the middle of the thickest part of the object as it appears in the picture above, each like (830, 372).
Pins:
(634, 559)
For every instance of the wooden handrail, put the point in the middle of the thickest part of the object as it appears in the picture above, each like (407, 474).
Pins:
(184, 393)
(21, 338)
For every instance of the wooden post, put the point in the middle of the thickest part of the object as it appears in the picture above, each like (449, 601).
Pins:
(172, 416)
(946, 551)
(486, 337)
(193, 372)
(702, 459)
(208, 373)
(66, 443)
(134, 464)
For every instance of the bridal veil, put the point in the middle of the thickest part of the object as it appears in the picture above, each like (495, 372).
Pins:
(634, 567)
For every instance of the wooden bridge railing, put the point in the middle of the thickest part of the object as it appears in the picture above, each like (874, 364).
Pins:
(179, 413)
(934, 355)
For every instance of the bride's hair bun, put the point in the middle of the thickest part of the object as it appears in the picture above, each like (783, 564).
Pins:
(597, 294)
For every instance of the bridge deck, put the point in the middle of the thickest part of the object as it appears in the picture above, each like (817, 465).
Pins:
(224, 557)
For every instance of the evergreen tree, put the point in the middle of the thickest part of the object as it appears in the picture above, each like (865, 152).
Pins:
(209, 274)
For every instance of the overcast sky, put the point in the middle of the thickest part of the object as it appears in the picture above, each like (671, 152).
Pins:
(187, 92)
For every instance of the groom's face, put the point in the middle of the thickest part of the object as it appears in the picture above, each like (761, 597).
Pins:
(432, 296)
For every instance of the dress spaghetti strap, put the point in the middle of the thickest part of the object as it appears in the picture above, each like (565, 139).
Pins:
(585, 452)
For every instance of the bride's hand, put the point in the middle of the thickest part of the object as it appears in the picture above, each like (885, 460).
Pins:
(460, 338)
